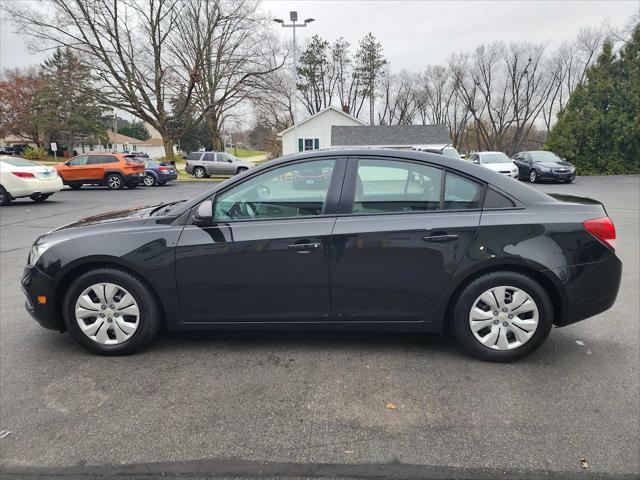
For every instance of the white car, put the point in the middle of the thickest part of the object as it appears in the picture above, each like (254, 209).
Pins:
(24, 178)
(496, 161)
(441, 149)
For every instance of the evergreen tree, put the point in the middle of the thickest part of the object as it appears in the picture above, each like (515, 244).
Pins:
(599, 130)
(69, 102)
(135, 130)
(369, 68)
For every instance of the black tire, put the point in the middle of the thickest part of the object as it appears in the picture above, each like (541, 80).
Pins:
(200, 172)
(149, 322)
(75, 186)
(569, 180)
(115, 181)
(5, 197)
(40, 197)
(241, 169)
(477, 287)
(533, 176)
(149, 180)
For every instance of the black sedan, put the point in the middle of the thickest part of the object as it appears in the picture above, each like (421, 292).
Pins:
(395, 240)
(543, 165)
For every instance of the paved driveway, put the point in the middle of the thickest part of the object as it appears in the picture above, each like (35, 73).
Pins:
(316, 402)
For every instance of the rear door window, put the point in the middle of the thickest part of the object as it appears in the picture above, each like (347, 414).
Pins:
(209, 157)
(460, 193)
(396, 186)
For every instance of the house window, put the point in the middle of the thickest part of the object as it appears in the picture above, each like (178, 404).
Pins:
(305, 144)
(91, 148)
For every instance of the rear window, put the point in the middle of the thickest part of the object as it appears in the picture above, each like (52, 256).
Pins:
(494, 199)
(18, 162)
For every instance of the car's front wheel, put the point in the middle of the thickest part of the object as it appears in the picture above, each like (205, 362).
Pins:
(110, 312)
(40, 197)
(533, 176)
(502, 316)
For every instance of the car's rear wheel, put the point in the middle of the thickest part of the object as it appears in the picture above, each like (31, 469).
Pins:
(502, 316)
(149, 180)
(5, 198)
(40, 197)
(241, 169)
(533, 176)
(110, 312)
(115, 181)
(199, 172)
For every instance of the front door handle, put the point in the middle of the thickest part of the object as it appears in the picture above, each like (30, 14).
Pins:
(304, 247)
(440, 238)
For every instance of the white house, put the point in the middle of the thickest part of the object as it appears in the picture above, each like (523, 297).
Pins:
(121, 143)
(314, 132)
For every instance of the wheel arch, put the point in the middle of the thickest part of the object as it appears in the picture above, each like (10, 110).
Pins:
(110, 172)
(551, 288)
(79, 269)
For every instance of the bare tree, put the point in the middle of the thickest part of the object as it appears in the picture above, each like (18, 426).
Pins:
(127, 43)
(232, 44)
(400, 99)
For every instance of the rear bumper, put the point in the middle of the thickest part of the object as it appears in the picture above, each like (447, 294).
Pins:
(590, 289)
(35, 283)
(134, 178)
(167, 177)
(26, 187)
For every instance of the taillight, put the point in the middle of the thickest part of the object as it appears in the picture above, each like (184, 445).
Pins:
(163, 169)
(603, 229)
(24, 174)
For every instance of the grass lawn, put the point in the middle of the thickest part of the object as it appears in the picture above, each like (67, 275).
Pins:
(241, 152)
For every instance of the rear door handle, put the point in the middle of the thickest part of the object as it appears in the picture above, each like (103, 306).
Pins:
(440, 238)
(304, 247)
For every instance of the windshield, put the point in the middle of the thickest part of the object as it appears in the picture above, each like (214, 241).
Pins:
(497, 157)
(545, 157)
(18, 162)
(450, 152)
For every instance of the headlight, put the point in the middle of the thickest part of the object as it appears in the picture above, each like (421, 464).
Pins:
(544, 169)
(37, 249)
(573, 169)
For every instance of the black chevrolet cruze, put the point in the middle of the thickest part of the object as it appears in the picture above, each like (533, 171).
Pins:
(394, 240)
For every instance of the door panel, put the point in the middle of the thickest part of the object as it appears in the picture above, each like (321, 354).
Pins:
(275, 270)
(394, 267)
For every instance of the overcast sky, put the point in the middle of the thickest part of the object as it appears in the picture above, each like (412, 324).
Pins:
(416, 33)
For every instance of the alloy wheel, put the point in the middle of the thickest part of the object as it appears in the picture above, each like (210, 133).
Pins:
(149, 180)
(198, 173)
(115, 182)
(504, 318)
(533, 176)
(107, 313)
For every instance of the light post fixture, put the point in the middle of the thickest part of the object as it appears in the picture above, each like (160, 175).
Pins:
(293, 16)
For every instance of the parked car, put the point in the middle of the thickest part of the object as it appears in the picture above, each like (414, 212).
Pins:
(24, 178)
(203, 164)
(115, 170)
(156, 173)
(445, 150)
(371, 250)
(496, 161)
(542, 165)
(16, 149)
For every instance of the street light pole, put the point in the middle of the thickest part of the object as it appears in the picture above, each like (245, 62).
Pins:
(293, 16)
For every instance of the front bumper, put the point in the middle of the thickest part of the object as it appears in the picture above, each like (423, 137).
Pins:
(35, 283)
(551, 175)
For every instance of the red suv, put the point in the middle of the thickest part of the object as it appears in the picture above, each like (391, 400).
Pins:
(115, 170)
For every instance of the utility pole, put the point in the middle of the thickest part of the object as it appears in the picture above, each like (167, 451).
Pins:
(293, 16)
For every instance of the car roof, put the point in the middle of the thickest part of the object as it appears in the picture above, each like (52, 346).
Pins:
(520, 191)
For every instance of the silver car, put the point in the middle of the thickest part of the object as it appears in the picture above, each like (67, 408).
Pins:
(203, 164)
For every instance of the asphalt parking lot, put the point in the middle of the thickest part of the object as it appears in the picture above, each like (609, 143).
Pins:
(304, 403)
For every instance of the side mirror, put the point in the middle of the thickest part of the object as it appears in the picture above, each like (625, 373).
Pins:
(204, 214)
(229, 160)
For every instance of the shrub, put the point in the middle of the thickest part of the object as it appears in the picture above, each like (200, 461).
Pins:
(35, 153)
